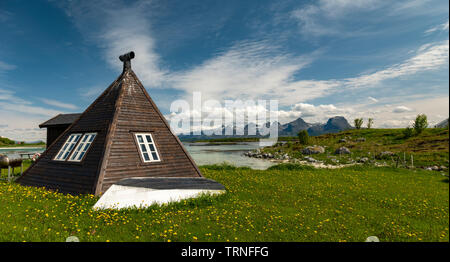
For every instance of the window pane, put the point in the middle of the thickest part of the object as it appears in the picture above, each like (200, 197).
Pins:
(155, 156)
(74, 155)
(66, 154)
(81, 155)
(81, 148)
(146, 157)
(146, 147)
(59, 155)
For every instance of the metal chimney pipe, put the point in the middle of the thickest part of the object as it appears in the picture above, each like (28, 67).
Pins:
(126, 59)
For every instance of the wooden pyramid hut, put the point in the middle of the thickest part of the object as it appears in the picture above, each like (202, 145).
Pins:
(122, 134)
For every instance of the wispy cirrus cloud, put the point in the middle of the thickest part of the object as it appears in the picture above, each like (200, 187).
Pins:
(248, 70)
(253, 68)
(119, 27)
(252, 71)
(6, 67)
(327, 17)
(428, 57)
(59, 104)
(441, 27)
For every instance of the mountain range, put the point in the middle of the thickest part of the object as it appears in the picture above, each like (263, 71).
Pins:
(442, 124)
(333, 125)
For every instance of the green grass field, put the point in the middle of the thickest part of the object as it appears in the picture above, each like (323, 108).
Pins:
(284, 203)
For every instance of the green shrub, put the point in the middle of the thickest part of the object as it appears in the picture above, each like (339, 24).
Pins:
(408, 132)
(303, 137)
(369, 123)
(358, 123)
(420, 123)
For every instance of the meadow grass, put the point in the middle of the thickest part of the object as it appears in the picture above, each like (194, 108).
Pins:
(284, 203)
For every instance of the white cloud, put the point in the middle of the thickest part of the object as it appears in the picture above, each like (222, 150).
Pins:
(52, 102)
(20, 118)
(91, 93)
(428, 57)
(441, 27)
(401, 109)
(323, 17)
(248, 69)
(118, 28)
(257, 70)
(372, 99)
(4, 66)
(251, 70)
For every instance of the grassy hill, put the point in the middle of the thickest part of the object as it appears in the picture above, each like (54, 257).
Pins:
(284, 203)
(427, 149)
(6, 142)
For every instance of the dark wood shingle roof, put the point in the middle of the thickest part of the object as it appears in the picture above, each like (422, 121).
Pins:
(61, 119)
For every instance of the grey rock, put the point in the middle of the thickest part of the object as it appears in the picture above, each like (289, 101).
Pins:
(342, 140)
(313, 150)
(384, 154)
(363, 160)
(310, 159)
(361, 139)
(342, 150)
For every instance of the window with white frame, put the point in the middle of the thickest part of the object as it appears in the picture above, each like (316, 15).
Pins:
(67, 147)
(147, 147)
(82, 147)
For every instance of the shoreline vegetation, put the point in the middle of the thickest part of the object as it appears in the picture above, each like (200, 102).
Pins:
(377, 147)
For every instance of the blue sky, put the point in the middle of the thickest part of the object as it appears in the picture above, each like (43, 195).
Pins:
(361, 58)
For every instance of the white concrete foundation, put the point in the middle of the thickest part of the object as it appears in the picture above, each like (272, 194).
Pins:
(120, 196)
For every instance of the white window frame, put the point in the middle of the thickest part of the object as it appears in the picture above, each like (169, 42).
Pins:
(147, 147)
(83, 146)
(67, 147)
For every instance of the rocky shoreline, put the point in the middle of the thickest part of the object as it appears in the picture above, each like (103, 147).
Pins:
(280, 157)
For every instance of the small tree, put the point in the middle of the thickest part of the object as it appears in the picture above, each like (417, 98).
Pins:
(408, 132)
(420, 123)
(369, 123)
(358, 123)
(303, 137)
